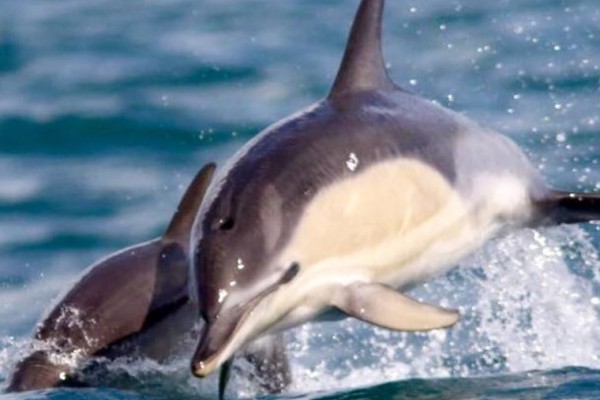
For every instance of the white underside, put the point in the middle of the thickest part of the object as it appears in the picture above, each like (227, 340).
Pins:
(397, 223)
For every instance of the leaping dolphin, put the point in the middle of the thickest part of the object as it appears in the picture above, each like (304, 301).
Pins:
(348, 202)
(122, 296)
(135, 302)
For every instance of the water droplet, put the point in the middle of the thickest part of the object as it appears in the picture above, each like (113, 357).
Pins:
(240, 264)
(222, 295)
(352, 162)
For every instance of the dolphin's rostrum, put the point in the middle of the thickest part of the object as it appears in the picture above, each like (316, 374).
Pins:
(344, 204)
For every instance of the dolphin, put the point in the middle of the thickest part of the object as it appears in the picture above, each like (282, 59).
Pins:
(126, 294)
(347, 203)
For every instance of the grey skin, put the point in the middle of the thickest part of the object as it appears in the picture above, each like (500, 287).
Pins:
(140, 293)
(135, 302)
(255, 207)
(137, 294)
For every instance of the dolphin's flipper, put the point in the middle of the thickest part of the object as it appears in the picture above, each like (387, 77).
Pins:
(269, 358)
(116, 299)
(570, 208)
(382, 306)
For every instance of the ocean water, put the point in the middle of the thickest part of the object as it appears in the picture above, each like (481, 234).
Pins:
(108, 108)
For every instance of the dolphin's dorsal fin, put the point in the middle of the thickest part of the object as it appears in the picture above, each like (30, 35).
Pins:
(362, 67)
(181, 223)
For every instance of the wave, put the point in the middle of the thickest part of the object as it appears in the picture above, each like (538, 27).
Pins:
(80, 136)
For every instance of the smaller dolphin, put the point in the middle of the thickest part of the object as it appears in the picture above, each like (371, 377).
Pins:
(128, 295)
(345, 204)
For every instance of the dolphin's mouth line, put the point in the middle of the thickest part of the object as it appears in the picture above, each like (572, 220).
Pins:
(201, 368)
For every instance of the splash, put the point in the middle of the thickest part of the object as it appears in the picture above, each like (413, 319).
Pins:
(528, 301)
(11, 350)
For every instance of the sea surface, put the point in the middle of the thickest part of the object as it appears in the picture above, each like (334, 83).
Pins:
(108, 108)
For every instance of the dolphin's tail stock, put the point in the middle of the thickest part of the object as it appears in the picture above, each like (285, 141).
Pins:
(569, 208)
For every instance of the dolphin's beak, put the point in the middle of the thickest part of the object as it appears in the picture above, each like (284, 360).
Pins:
(202, 369)
(222, 337)
(234, 328)
(211, 351)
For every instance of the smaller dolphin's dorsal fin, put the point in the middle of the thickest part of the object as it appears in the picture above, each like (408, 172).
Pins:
(183, 219)
(362, 67)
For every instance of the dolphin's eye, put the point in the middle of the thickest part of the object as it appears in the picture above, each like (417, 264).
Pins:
(226, 224)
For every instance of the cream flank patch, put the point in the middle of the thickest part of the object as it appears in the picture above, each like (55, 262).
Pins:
(398, 222)
(381, 224)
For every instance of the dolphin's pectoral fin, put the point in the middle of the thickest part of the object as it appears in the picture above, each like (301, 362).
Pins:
(569, 208)
(269, 358)
(382, 306)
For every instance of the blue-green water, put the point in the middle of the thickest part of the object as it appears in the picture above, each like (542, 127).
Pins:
(108, 108)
